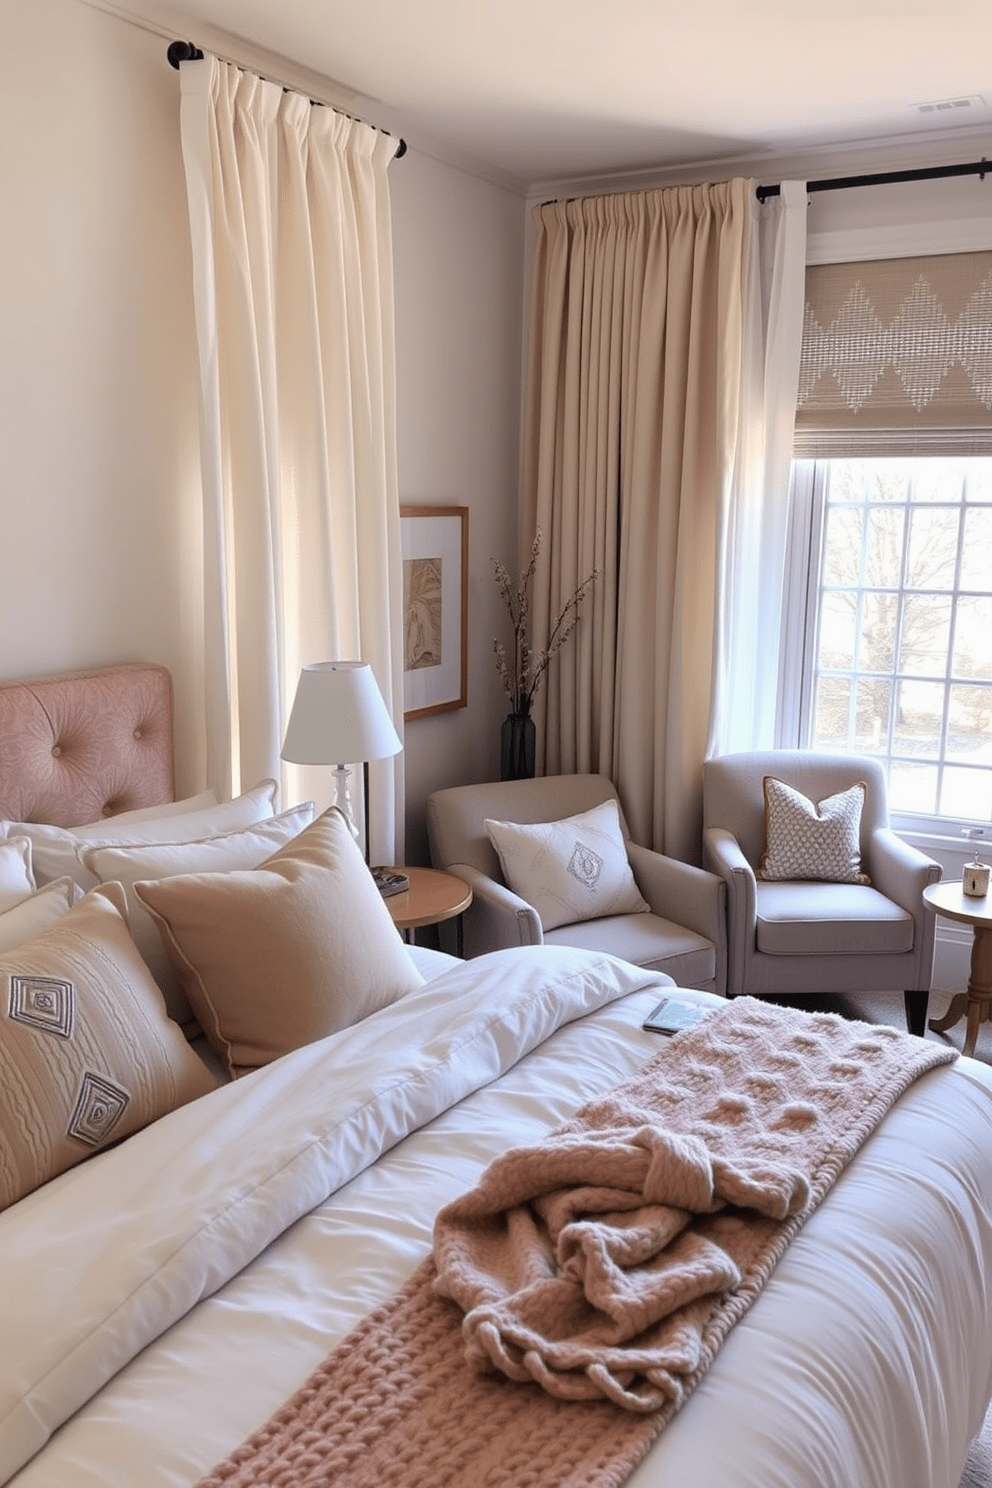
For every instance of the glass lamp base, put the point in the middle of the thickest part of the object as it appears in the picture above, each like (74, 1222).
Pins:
(342, 798)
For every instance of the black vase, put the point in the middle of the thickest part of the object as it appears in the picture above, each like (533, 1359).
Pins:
(517, 743)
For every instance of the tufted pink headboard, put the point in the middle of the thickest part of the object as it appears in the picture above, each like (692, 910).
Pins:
(85, 745)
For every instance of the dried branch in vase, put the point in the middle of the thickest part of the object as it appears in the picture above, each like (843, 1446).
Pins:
(521, 677)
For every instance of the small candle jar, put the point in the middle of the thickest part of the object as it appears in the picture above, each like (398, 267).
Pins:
(975, 879)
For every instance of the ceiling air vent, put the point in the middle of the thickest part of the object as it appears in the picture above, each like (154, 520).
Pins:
(950, 105)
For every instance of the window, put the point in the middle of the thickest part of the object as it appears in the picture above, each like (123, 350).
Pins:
(892, 573)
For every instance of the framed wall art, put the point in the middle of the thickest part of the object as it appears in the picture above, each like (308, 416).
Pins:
(435, 609)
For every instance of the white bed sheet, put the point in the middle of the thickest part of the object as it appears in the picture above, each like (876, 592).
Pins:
(866, 1363)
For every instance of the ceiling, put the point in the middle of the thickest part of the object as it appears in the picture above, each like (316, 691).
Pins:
(540, 90)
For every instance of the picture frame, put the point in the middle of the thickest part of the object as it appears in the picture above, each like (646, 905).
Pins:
(434, 545)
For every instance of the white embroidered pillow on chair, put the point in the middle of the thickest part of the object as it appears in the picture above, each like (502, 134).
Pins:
(807, 840)
(569, 870)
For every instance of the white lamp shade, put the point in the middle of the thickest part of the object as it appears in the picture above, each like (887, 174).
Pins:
(338, 717)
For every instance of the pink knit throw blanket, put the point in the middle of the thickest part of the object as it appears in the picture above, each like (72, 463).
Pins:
(606, 1265)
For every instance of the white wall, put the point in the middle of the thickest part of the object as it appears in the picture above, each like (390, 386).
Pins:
(458, 258)
(99, 484)
(97, 398)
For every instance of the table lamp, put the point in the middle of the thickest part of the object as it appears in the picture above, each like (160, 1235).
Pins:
(339, 718)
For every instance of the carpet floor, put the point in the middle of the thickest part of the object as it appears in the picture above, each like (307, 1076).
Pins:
(888, 1007)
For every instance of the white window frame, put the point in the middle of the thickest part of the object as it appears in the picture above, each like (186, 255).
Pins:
(800, 639)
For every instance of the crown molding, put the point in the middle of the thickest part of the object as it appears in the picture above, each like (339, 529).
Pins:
(852, 157)
(171, 25)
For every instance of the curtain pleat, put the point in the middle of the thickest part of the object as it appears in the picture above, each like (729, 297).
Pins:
(292, 263)
(636, 337)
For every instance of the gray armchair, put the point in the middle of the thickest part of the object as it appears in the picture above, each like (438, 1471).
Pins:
(802, 936)
(684, 935)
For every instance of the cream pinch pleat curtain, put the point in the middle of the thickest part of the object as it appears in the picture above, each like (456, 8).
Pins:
(292, 273)
(631, 430)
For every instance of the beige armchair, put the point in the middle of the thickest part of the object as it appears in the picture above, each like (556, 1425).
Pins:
(801, 936)
(684, 935)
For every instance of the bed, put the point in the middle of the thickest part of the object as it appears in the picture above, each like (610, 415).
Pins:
(164, 1296)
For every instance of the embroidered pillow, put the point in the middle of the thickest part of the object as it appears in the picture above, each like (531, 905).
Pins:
(283, 954)
(87, 1054)
(812, 841)
(569, 870)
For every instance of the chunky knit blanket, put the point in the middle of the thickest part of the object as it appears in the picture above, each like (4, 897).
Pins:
(605, 1266)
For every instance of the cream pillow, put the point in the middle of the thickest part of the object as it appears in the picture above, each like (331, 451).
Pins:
(16, 875)
(95, 831)
(286, 953)
(245, 848)
(569, 870)
(87, 1054)
(54, 848)
(35, 913)
(807, 840)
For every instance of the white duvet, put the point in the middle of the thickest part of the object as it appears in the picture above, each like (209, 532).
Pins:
(161, 1300)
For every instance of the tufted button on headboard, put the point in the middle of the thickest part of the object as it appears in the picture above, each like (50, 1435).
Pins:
(84, 745)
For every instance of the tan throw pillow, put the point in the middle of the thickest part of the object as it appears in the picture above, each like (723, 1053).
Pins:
(87, 1054)
(245, 848)
(812, 841)
(285, 953)
(570, 870)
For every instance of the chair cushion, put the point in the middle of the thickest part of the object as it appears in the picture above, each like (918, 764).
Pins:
(647, 940)
(812, 919)
(807, 840)
(575, 869)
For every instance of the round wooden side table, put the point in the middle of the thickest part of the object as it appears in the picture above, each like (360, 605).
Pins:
(433, 896)
(950, 900)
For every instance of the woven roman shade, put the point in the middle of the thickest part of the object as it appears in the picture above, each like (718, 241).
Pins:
(897, 357)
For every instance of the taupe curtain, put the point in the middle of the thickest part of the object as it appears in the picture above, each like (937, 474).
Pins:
(637, 323)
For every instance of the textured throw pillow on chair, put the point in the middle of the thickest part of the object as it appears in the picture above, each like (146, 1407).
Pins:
(812, 840)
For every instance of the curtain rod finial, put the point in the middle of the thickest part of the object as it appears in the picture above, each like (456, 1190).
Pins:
(183, 51)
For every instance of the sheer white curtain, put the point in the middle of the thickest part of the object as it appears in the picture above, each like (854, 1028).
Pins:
(292, 264)
(755, 520)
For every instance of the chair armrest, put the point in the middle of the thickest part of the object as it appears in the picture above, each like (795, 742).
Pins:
(497, 918)
(688, 896)
(680, 892)
(900, 871)
(722, 853)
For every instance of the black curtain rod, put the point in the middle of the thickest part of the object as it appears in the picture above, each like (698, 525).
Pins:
(887, 178)
(185, 51)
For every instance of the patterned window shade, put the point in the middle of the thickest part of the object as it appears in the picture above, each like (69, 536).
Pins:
(897, 357)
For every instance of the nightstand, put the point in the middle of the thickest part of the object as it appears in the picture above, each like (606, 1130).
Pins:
(433, 896)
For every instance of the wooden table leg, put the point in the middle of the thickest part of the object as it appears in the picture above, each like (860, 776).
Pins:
(956, 1009)
(979, 985)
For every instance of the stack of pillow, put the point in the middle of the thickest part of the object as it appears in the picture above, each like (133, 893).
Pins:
(121, 939)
